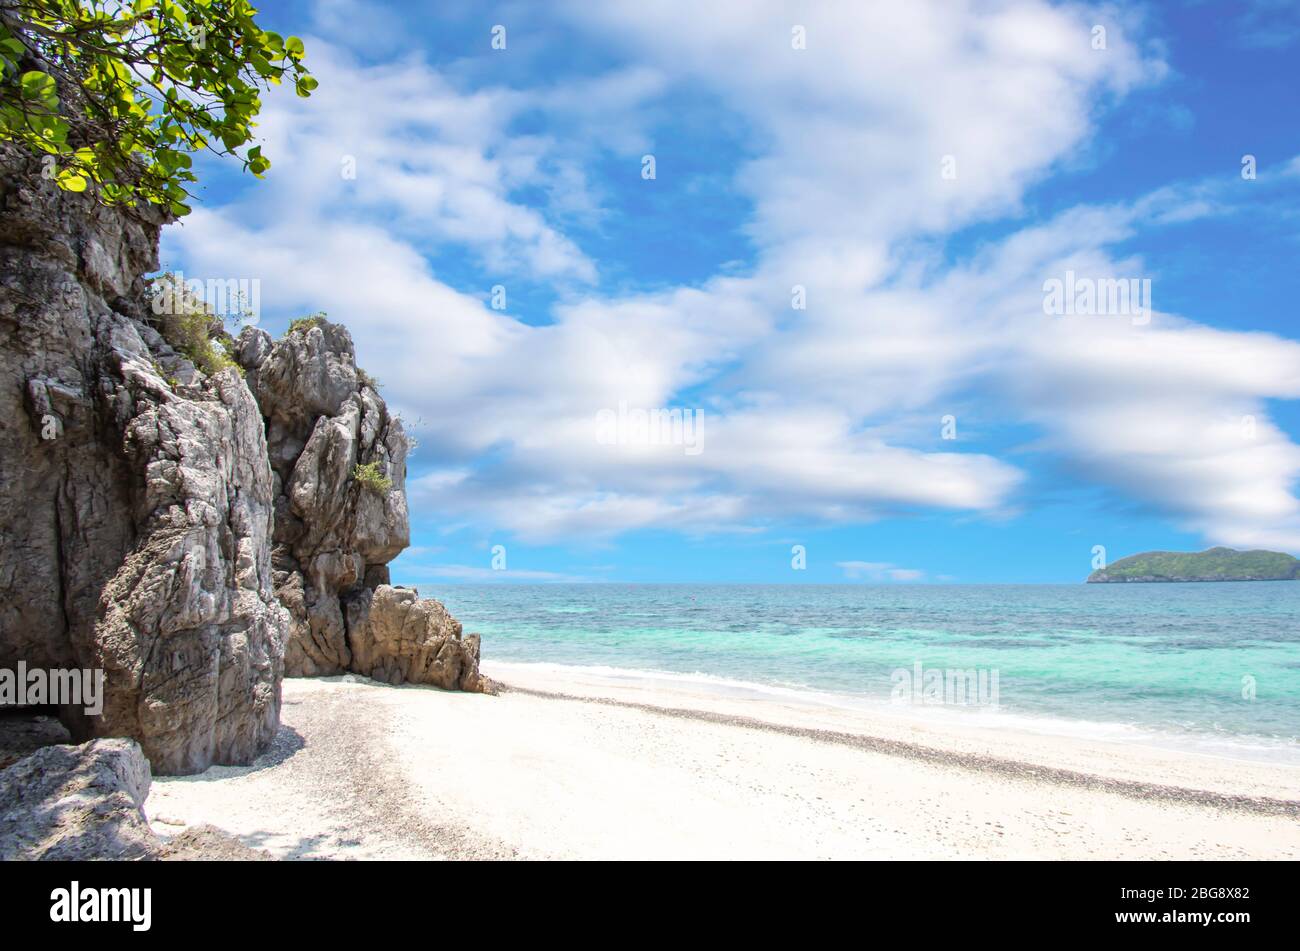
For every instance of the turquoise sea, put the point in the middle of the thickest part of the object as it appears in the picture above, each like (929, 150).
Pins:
(1213, 666)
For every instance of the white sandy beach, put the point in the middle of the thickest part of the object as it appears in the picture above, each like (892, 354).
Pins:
(573, 764)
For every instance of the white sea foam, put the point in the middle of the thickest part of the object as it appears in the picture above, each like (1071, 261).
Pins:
(1243, 746)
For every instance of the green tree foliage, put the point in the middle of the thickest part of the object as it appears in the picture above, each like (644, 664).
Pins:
(120, 93)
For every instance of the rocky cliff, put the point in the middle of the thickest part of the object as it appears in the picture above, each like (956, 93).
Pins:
(135, 495)
(157, 508)
(339, 463)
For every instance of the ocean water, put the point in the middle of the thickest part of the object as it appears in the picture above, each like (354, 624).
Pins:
(1214, 667)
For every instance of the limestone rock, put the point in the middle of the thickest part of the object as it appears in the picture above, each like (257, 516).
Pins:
(182, 531)
(23, 732)
(398, 637)
(136, 501)
(77, 803)
(332, 533)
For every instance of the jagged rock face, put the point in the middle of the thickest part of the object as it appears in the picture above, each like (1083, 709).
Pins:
(333, 534)
(398, 637)
(62, 269)
(136, 501)
(70, 803)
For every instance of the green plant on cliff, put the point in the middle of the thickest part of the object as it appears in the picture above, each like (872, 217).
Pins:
(118, 94)
(306, 323)
(371, 478)
(190, 326)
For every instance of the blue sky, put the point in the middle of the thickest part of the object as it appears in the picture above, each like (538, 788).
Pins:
(920, 172)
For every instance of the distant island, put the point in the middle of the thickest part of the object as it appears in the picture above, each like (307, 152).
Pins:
(1214, 564)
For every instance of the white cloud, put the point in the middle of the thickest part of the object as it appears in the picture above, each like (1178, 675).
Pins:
(855, 126)
(396, 143)
(878, 571)
(826, 414)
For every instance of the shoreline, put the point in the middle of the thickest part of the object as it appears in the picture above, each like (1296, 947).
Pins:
(696, 688)
(564, 766)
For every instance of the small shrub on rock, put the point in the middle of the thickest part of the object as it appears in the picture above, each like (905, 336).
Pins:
(371, 478)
